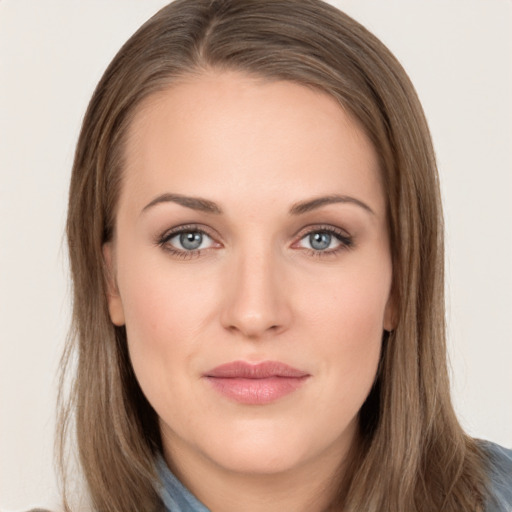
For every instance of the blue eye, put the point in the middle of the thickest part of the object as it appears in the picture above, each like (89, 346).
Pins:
(326, 241)
(187, 241)
(191, 240)
(320, 241)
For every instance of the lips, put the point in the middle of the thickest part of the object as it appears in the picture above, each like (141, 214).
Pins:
(255, 384)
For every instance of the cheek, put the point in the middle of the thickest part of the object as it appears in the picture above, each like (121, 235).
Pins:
(166, 316)
(348, 307)
(164, 326)
(162, 304)
(355, 338)
(346, 316)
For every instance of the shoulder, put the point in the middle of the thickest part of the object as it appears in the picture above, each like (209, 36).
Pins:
(500, 474)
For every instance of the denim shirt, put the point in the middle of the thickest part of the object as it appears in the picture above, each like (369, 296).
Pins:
(177, 498)
(501, 477)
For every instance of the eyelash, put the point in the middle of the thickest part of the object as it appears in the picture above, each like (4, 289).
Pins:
(346, 241)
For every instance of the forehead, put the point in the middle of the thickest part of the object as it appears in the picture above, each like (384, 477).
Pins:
(221, 132)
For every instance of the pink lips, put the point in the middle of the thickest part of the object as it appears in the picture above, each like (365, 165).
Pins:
(255, 384)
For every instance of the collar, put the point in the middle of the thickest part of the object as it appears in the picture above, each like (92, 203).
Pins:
(175, 496)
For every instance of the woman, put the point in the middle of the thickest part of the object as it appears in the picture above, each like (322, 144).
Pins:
(258, 293)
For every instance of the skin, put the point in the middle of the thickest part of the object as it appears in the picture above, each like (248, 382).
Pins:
(257, 290)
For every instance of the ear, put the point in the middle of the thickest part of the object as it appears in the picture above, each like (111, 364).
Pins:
(390, 313)
(115, 306)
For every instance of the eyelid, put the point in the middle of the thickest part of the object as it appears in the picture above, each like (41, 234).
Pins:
(313, 228)
(185, 228)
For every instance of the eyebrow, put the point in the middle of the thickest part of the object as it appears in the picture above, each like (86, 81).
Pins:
(195, 203)
(312, 204)
(205, 205)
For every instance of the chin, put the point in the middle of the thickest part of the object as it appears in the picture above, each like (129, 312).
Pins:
(263, 448)
(259, 458)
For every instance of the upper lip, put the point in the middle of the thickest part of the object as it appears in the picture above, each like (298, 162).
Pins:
(263, 370)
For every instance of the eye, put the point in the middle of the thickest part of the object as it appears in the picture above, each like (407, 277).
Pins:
(321, 240)
(190, 240)
(186, 241)
(325, 241)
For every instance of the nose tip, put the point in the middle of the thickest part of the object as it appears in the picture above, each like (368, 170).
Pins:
(253, 325)
(256, 304)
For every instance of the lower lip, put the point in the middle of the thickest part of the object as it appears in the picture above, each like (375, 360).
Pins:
(256, 391)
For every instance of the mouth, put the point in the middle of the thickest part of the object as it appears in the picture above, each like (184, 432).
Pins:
(255, 384)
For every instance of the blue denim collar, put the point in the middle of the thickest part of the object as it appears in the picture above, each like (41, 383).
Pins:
(175, 496)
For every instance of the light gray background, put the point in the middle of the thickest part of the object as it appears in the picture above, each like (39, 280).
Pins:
(52, 53)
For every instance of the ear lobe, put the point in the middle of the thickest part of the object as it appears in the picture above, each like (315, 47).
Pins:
(115, 305)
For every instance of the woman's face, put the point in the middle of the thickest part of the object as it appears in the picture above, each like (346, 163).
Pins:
(251, 267)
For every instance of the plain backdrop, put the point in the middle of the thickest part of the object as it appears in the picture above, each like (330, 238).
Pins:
(53, 52)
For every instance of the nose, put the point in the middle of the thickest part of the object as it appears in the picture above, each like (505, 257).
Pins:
(256, 303)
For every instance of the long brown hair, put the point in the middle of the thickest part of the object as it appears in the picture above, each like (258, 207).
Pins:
(414, 456)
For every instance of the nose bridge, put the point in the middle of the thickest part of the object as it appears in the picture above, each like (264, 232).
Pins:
(256, 302)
